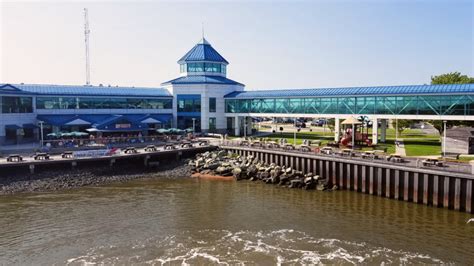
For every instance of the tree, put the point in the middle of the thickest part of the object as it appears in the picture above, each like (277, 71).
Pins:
(331, 122)
(402, 124)
(451, 78)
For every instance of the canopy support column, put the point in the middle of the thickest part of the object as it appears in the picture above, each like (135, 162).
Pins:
(337, 129)
(383, 130)
(236, 126)
(375, 133)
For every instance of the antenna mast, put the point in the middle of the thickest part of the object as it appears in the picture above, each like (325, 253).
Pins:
(86, 35)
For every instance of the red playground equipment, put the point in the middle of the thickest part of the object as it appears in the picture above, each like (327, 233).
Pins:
(360, 137)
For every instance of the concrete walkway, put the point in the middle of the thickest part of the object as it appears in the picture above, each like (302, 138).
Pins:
(400, 148)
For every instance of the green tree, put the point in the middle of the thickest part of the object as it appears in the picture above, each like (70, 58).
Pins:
(451, 78)
(402, 124)
(331, 123)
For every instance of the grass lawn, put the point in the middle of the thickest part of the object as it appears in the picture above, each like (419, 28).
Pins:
(422, 146)
(416, 142)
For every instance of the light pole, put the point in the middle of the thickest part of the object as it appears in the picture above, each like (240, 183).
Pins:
(41, 132)
(353, 134)
(294, 137)
(396, 129)
(444, 138)
(245, 127)
(194, 125)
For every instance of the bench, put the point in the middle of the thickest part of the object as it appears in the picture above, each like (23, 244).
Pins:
(41, 156)
(326, 150)
(395, 158)
(186, 145)
(150, 148)
(169, 147)
(305, 148)
(347, 152)
(289, 147)
(370, 155)
(432, 162)
(67, 154)
(14, 158)
(244, 143)
(272, 145)
(130, 150)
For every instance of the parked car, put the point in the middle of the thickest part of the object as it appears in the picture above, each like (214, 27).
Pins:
(300, 124)
(318, 122)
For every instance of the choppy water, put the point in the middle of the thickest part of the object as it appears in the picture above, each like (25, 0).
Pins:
(212, 222)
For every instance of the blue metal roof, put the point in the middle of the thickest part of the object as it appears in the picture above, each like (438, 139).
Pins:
(204, 79)
(357, 91)
(76, 90)
(202, 51)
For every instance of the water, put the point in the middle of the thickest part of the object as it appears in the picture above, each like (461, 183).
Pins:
(211, 222)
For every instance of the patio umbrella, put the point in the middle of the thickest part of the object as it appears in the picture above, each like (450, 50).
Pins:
(162, 131)
(55, 135)
(79, 134)
(65, 134)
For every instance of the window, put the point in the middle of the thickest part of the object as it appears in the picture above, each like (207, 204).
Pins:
(101, 103)
(212, 105)
(56, 103)
(189, 103)
(17, 105)
(212, 124)
(203, 67)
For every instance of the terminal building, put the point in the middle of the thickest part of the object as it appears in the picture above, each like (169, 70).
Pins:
(203, 98)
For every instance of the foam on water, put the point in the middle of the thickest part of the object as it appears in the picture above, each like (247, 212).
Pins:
(247, 247)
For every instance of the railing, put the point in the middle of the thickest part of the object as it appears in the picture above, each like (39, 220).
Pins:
(354, 155)
(105, 141)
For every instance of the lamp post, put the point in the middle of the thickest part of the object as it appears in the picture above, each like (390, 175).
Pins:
(194, 125)
(41, 132)
(444, 138)
(396, 129)
(353, 135)
(294, 136)
(245, 127)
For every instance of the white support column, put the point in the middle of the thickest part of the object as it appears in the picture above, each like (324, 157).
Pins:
(375, 133)
(236, 126)
(383, 130)
(249, 125)
(337, 130)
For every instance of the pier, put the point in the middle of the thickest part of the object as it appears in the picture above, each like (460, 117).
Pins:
(142, 156)
(428, 186)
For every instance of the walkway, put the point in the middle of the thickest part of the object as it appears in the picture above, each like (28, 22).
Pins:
(400, 148)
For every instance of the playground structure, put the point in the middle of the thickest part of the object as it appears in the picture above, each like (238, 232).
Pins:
(353, 126)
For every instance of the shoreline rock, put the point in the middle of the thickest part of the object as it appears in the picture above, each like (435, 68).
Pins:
(221, 163)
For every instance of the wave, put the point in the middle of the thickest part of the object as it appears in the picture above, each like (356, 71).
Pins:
(223, 247)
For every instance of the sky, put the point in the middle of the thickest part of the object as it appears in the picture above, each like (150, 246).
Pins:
(269, 44)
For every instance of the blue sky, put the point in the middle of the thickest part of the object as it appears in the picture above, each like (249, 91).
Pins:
(304, 44)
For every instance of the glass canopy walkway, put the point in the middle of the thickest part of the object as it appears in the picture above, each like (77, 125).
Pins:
(423, 100)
